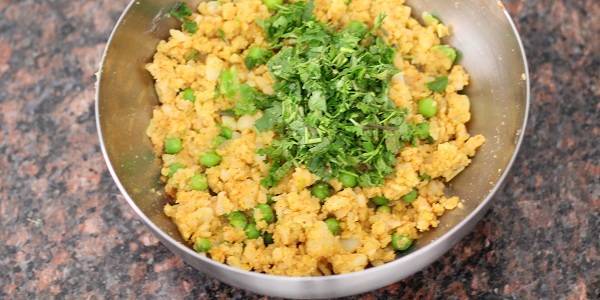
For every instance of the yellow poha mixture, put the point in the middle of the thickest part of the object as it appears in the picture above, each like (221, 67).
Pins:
(302, 244)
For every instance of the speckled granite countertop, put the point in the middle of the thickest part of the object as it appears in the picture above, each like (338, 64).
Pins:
(66, 231)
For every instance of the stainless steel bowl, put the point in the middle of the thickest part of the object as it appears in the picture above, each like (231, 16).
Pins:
(492, 54)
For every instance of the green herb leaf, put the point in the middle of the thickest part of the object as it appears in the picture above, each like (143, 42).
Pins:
(331, 110)
(269, 118)
(257, 56)
(272, 4)
(180, 11)
(188, 95)
(245, 103)
(421, 131)
(228, 83)
(192, 55)
(190, 26)
(357, 28)
(439, 84)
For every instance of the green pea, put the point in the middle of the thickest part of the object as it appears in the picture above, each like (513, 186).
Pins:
(267, 238)
(321, 190)
(427, 107)
(401, 242)
(447, 51)
(202, 245)
(348, 180)
(238, 219)
(173, 168)
(199, 183)
(333, 225)
(410, 197)
(384, 209)
(252, 232)
(226, 132)
(210, 159)
(380, 200)
(173, 145)
(266, 212)
(272, 4)
(188, 95)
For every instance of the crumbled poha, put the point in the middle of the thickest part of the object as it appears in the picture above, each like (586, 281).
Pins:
(297, 241)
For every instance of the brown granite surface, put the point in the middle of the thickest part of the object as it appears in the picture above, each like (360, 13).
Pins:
(67, 233)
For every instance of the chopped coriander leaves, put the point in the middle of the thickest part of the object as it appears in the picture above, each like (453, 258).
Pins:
(411, 196)
(247, 99)
(438, 85)
(180, 11)
(190, 26)
(270, 117)
(276, 173)
(357, 28)
(272, 4)
(245, 103)
(331, 110)
(183, 13)
(421, 131)
(424, 177)
(257, 56)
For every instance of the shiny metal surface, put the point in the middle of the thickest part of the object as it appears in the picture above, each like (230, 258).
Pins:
(499, 91)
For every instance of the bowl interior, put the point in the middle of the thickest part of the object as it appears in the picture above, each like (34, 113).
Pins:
(490, 53)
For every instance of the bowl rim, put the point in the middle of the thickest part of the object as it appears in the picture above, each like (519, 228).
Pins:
(445, 238)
